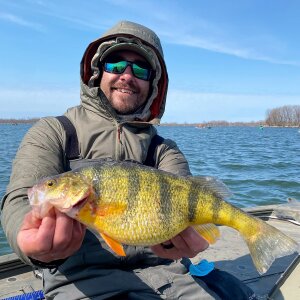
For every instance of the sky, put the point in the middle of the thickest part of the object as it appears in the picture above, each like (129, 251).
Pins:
(227, 60)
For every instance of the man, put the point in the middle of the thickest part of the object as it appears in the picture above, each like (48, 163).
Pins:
(123, 92)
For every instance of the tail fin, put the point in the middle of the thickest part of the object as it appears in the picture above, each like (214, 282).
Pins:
(268, 244)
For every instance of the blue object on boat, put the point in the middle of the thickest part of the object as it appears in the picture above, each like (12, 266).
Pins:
(202, 268)
(36, 295)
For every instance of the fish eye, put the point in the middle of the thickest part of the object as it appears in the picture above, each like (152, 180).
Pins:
(51, 182)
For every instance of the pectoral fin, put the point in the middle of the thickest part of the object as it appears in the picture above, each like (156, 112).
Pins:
(114, 245)
(208, 231)
(110, 209)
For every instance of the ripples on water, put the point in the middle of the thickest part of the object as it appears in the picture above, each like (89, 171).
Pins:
(260, 166)
(10, 136)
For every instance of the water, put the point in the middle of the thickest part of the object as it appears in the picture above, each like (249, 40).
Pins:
(10, 136)
(260, 166)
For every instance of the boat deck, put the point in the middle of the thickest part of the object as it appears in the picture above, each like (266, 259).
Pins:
(230, 254)
(16, 278)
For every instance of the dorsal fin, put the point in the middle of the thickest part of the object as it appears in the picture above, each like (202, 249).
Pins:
(212, 184)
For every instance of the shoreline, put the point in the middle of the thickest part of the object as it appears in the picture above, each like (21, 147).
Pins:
(18, 121)
(203, 125)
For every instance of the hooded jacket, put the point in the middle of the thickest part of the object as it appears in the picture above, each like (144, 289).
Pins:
(101, 131)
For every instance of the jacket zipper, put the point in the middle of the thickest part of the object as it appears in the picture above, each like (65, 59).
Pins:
(119, 133)
(119, 147)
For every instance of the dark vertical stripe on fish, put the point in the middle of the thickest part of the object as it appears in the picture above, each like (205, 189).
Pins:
(192, 202)
(165, 189)
(217, 207)
(133, 187)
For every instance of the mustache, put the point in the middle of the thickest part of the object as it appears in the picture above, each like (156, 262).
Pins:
(128, 86)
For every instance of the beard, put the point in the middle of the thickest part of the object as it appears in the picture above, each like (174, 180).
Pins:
(126, 99)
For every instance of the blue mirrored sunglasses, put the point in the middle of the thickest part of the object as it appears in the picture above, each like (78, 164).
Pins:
(120, 66)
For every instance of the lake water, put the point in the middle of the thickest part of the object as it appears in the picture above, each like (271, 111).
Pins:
(260, 166)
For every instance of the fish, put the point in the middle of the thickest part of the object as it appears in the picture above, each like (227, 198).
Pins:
(127, 203)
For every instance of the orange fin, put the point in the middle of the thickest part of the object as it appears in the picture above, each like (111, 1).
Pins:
(114, 245)
(208, 231)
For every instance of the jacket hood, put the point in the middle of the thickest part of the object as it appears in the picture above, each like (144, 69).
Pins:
(130, 36)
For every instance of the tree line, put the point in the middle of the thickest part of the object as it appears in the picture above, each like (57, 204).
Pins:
(288, 115)
(284, 116)
(18, 121)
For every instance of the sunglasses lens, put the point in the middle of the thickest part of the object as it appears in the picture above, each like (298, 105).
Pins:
(119, 68)
(141, 73)
(116, 68)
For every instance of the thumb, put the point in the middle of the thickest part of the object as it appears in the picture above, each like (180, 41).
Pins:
(32, 221)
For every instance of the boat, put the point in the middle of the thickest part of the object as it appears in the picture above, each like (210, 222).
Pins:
(230, 253)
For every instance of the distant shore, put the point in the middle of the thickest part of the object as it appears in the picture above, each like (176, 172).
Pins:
(198, 125)
(285, 116)
(204, 124)
(18, 121)
(217, 124)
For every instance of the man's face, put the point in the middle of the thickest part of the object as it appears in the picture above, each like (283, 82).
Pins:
(125, 92)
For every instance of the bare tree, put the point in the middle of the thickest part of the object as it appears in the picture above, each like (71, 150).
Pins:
(288, 115)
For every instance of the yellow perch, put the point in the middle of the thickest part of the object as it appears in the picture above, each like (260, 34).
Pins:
(127, 203)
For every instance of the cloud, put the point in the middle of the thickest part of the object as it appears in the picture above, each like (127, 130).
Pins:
(21, 22)
(212, 35)
(218, 42)
(197, 32)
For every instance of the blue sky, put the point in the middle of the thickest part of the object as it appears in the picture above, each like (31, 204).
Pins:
(227, 60)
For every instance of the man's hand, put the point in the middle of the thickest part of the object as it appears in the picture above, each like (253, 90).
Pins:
(188, 243)
(54, 237)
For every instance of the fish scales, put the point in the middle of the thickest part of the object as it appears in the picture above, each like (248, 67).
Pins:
(137, 224)
(177, 192)
(153, 188)
(146, 193)
(193, 202)
(131, 204)
(205, 207)
(155, 202)
(133, 189)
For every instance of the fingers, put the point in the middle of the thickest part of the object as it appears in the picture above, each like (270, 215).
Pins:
(78, 234)
(190, 240)
(160, 251)
(56, 236)
(186, 244)
(36, 235)
(45, 233)
(63, 232)
(30, 221)
(167, 245)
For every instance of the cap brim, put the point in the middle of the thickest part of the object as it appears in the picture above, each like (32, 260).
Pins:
(129, 47)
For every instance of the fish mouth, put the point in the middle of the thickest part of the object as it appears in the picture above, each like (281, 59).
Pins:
(73, 211)
(80, 203)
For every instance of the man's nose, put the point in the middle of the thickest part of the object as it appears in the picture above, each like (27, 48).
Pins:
(127, 73)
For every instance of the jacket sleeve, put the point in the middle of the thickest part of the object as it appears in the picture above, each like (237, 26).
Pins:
(169, 158)
(39, 155)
